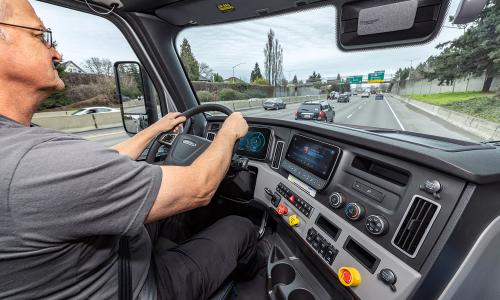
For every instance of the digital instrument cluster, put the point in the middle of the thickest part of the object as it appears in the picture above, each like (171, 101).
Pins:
(255, 143)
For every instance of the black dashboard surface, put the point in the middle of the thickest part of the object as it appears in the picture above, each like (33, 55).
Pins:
(475, 163)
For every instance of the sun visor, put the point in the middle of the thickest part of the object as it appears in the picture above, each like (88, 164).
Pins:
(386, 23)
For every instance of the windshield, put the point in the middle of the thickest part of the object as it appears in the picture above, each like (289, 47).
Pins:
(427, 88)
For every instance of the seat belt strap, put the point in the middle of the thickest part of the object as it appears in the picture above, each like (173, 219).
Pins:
(124, 274)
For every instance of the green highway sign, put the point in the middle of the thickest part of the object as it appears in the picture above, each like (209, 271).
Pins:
(355, 79)
(377, 77)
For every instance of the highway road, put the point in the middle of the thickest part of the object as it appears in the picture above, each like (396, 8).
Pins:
(389, 113)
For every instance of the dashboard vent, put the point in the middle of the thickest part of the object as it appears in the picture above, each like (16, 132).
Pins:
(416, 223)
(210, 136)
(278, 152)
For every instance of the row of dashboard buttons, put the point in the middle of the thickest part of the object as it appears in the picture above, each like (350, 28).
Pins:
(295, 200)
(303, 175)
(324, 248)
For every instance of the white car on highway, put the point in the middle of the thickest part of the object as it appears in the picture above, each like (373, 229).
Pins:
(94, 110)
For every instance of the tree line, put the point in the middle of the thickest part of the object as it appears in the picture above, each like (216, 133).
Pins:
(474, 53)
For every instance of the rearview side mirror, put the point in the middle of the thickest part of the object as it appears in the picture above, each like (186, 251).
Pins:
(134, 89)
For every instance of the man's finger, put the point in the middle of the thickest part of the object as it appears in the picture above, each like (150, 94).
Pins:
(175, 114)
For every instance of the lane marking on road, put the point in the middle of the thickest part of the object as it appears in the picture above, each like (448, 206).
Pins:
(394, 114)
(349, 116)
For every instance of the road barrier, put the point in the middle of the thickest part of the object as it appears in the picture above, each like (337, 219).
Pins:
(72, 124)
(484, 129)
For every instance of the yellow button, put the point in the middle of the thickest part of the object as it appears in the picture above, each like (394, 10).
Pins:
(293, 220)
(349, 276)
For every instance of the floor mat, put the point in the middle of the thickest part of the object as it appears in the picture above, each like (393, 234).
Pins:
(254, 289)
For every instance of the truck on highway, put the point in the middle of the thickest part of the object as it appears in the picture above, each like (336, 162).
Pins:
(368, 200)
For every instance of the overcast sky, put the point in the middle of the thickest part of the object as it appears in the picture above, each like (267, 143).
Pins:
(308, 40)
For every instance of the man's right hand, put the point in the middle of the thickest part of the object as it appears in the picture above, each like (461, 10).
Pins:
(235, 125)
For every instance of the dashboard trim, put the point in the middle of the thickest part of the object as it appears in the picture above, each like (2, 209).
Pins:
(281, 154)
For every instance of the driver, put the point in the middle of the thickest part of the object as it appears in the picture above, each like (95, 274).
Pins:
(65, 202)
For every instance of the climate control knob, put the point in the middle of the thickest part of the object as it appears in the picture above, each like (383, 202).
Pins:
(354, 211)
(337, 200)
(376, 225)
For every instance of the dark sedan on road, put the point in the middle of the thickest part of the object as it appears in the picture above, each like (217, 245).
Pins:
(344, 98)
(275, 103)
(315, 110)
(379, 96)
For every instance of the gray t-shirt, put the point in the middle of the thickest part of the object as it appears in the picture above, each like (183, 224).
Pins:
(64, 203)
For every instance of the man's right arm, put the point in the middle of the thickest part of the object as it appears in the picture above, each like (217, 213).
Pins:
(186, 188)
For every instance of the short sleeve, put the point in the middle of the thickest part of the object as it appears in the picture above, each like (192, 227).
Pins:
(68, 188)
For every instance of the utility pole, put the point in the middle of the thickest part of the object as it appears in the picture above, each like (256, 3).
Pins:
(235, 67)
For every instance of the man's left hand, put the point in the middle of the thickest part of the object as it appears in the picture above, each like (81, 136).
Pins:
(169, 122)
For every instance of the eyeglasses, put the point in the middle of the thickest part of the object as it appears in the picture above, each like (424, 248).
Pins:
(46, 34)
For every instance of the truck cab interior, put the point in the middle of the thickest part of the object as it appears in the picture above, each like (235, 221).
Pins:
(353, 212)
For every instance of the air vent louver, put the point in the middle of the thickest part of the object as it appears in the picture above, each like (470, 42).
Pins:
(416, 223)
(278, 152)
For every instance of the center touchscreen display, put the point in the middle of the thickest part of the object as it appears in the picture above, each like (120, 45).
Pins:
(313, 156)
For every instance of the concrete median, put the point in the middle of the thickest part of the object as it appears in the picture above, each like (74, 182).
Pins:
(484, 129)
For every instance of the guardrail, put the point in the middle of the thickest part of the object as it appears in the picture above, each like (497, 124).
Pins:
(73, 124)
(486, 130)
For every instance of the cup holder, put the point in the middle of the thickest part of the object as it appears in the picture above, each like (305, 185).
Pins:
(301, 294)
(282, 274)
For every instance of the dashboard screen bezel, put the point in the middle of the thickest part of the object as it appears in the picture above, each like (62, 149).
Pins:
(268, 135)
(332, 165)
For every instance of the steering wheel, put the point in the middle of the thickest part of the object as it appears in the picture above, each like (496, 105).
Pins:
(184, 147)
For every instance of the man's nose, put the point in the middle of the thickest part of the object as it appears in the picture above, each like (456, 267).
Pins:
(56, 56)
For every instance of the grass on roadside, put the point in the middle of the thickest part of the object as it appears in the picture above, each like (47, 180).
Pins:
(487, 108)
(443, 99)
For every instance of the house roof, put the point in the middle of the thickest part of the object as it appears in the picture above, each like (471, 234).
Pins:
(70, 62)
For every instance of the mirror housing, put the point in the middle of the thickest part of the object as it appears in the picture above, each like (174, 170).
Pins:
(369, 24)
(134, 90)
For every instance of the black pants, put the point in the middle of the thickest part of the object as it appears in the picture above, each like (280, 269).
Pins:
(196, 267)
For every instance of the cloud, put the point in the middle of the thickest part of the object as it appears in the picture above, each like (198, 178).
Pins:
(308, 39)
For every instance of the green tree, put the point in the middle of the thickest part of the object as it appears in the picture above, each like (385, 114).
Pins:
(476, 52)
(57, 99)
(273, 59)
(294, 80)
(190, 63)
(255, 73)
(218, 78)
(260, 81)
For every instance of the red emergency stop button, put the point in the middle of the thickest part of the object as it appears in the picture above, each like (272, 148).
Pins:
(282, 210)
(291, 198)
(349, 276)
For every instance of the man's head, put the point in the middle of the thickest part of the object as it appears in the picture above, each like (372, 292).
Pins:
(25, 60)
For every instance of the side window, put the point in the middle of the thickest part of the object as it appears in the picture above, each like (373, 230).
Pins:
(90, 46)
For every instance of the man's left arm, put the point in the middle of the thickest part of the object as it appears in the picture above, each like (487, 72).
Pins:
(134, 146)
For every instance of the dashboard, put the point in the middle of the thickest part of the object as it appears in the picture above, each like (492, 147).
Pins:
(355, 206)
